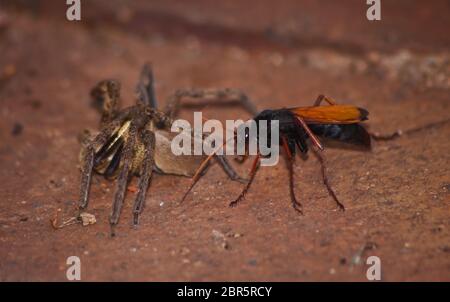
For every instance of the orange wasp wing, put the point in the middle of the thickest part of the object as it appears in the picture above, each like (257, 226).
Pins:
(334, 114)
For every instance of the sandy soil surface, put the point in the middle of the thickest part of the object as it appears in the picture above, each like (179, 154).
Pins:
(281, 53)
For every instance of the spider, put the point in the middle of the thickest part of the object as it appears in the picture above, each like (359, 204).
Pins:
(136, 140)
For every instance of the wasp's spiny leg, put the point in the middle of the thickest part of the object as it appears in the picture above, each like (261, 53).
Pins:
(295, 203)
(253, 171)
(148, 139)
(325, 180)
(312, 136)
(289, 147)
(206, 97)
(321, 98)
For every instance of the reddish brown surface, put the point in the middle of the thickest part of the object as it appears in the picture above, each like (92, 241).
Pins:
(397, 196)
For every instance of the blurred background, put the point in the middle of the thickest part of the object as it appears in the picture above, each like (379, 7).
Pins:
(282, 54)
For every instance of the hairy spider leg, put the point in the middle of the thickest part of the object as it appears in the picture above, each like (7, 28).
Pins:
(203, 97)
(88, 161)
(145, 89)
(123, 178)
(229, 170)
(148, 138)
(106, 97)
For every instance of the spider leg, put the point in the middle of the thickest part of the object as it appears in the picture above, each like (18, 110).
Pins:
(106, 96)
(88, 162)
(122, 180)
(232, 174)
(321, 98)
(253, 171)
(148, 139)
(206, 97)
(290, 162)
(145, 90)
(325, 180)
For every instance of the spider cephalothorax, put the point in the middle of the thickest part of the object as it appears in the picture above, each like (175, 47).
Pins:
(136, 140)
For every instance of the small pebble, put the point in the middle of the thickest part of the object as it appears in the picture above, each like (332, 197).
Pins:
(17, 129)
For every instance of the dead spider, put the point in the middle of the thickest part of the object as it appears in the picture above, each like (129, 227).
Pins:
(136, 140)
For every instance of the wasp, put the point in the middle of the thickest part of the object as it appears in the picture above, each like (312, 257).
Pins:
(297, 127)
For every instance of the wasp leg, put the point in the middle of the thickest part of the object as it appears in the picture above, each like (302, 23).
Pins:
(290, 163)
(207, 97)
(145, 89)
(295, 203)
(322, 98)
(253, 171)
(106, 96)
(232, 174)
(325, 180)
(148, 138)
(87, 162)
(308, 131)
(122, 180)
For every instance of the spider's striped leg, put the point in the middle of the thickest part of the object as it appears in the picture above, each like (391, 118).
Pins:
(203, 97)
(122, 181)
(148, 138)
(87, 163)
(145, 89)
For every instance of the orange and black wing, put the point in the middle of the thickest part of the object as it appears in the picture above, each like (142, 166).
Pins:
(335, 114)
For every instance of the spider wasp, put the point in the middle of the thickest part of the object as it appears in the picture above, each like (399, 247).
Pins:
(299, 125)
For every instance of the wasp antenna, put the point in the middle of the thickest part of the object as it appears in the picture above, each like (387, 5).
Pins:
(200, 169)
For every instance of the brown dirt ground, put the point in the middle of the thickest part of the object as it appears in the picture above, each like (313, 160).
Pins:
(281, 53)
